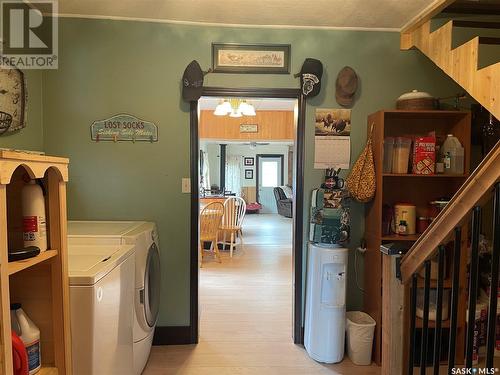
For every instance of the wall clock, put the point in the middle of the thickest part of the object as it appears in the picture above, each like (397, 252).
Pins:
(13, 97)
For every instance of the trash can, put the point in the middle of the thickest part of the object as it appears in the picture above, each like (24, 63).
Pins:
(360, 328)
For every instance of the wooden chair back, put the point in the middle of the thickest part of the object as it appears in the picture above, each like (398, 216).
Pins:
(210, 220)
(234, 212)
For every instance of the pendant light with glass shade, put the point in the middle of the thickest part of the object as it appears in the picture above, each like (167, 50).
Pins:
(234, 108)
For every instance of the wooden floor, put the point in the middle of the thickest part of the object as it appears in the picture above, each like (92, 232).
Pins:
(246, 313)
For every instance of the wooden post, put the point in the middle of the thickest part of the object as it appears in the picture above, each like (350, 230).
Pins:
(5, 340)
(392, 318)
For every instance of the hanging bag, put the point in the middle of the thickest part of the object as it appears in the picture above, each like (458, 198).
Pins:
(361, 181)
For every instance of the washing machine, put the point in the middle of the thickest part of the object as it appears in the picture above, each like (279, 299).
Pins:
(144, 236)
(101, 295)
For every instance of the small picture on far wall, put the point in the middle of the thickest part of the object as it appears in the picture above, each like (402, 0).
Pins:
(248, 174)
(249, 162)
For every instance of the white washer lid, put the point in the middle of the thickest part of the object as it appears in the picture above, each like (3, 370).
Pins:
(89, 264)
(101, 228)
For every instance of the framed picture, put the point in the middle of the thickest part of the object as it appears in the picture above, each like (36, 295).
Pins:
(248, 174)
(249, 128)
(249, 162)
(251, 58)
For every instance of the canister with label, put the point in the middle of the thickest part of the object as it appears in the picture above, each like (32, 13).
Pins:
(406, 212)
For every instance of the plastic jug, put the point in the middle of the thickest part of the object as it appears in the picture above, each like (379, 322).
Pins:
(19, 356)
(29, 334)
(401, 155)
(34, 224)
(452, 155)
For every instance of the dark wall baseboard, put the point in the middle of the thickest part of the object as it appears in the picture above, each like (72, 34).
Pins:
(172, 335)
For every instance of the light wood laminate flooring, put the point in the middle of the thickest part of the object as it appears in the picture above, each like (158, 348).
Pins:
(246, 313)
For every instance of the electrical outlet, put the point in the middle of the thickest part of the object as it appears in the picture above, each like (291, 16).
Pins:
(186, 185)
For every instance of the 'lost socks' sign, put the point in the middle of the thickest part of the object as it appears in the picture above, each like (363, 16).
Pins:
(124, 127)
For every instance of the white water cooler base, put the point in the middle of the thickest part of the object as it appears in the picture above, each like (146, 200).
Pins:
(324, 331)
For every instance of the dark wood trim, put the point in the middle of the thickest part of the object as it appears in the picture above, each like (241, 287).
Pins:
(298, 214)
(222, 171)
(472, 8)
(489, 40)
(476, 24)
(298, 188)
(195, 208)
(172, 335)
(257, 171)
(252, 92)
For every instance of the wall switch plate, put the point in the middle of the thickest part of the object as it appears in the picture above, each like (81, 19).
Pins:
(186, 185)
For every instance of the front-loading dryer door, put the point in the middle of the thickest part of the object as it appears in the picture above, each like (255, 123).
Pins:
(152, 281)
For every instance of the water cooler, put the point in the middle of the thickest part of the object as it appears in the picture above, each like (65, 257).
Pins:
(324, 329)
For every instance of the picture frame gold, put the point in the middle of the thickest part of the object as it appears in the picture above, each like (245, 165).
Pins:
(251, 58)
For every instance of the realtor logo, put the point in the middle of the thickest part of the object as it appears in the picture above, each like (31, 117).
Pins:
(29, 34)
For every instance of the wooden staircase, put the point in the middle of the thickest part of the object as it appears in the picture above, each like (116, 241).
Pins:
(460, 63)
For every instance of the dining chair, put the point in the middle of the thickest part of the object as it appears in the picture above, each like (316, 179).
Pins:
(234, 212)
(210, 221)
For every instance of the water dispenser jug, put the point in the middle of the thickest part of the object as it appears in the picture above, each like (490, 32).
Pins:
(324, 330)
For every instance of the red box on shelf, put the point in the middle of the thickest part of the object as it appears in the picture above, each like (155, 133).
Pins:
(424, 155)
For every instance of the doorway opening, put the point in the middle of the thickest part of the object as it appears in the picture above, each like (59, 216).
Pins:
(254, 162)
(270, 171)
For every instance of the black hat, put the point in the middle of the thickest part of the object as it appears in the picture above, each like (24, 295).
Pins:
(310, 77)
(192, 82)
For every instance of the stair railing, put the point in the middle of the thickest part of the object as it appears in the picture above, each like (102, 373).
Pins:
(480, 187)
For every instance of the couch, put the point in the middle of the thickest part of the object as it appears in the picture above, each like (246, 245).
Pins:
(283, 204)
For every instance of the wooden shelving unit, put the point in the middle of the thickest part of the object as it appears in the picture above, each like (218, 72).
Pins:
(432, 324)
(20, 265)
(417, 189)
(41, 283)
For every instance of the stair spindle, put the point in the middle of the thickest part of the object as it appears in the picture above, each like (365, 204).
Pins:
(473, 275)
(492, 313)
(455, 291)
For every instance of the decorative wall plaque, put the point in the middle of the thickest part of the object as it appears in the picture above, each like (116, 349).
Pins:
(249, 128)
(251, 58)
(124, 127)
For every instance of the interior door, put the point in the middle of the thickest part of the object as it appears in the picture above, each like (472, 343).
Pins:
(269, 176)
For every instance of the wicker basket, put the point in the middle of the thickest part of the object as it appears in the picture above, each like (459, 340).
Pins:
(417, 104)
(416, 101)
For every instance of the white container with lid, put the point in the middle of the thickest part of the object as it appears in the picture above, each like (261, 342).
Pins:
(34, 224)
(401, 155)
(452, 155)
(29, 334)
(388, 154)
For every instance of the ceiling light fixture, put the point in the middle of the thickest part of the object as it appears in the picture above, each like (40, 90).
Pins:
(234, 108)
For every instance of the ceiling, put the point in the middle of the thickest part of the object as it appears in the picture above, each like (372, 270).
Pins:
(357, 14)
(209, 103)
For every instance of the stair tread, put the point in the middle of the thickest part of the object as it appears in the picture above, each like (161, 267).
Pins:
(489, 40)
(477, 24)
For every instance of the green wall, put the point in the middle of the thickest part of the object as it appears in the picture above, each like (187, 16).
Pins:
(31, 137)
(106, 67)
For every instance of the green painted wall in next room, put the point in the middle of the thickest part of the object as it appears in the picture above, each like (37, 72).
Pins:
(107, 67)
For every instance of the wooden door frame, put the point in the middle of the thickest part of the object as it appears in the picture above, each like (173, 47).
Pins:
(298, 206)
(282, 177)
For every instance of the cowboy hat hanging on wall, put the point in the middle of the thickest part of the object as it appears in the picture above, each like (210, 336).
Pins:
(310, 77)
(346, 86)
